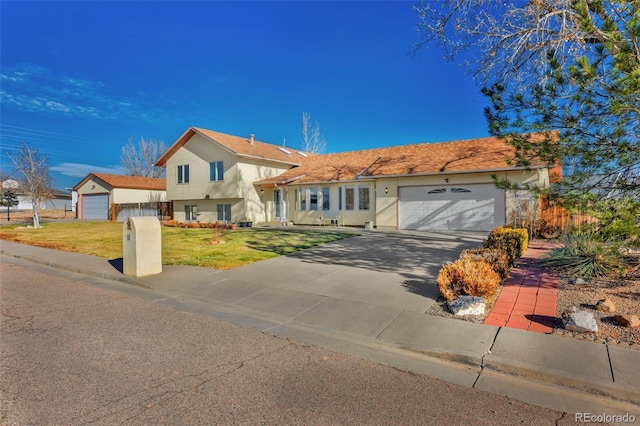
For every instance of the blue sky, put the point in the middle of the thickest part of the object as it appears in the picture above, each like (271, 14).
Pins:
(78, 79)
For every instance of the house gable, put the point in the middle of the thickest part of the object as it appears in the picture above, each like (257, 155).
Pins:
(109, 182)
(240, 147)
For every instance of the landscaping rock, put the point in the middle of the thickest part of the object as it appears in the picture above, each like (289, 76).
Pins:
(629, 321)
(577, 281)
(605, 305)
(579, 321)
(467, 305)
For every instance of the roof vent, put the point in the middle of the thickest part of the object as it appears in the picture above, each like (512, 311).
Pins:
(252, 138)
(286, 151)
(304, 154)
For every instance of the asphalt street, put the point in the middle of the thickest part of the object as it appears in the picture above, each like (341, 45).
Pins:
(81, 350)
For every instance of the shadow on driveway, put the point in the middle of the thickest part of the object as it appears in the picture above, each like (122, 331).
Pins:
(417, 257)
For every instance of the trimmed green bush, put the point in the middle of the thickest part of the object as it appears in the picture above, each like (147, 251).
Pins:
(512, 241)
(467, 277)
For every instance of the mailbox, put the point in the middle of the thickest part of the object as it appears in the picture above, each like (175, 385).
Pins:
(141, 246)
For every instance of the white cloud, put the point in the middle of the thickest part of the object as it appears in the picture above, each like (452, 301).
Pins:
(57, 106)
(36, 89)
(80, 170)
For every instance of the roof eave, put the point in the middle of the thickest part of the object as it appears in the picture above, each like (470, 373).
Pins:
(457, 172)
(355, 180)
(255, 157)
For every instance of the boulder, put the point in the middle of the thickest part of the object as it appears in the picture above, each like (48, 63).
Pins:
(606, 305)
(580, 321)
(467, 305)
(577, 281)
(629, 321)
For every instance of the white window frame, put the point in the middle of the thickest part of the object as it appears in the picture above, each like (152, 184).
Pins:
(303, 199)
(225, 208)
(182, 174)
(352, 189)
(368, 189)
(217, 167)
(326, 198)
(313, 193)
(190, 212)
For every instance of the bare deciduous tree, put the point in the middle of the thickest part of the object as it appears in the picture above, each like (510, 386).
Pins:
(312, 138)
(139, 160)
(34, 178)
(511, 40)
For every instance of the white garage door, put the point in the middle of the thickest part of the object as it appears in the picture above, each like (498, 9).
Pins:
(96, 206)
(452, 207)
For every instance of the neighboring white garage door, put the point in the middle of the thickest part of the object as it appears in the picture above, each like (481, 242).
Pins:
(452, 207)
(96, 206)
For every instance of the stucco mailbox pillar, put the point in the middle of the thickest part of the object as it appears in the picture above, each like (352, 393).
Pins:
(141, 246)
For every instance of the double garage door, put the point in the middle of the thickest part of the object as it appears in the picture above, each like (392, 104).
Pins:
(95, 206)
(478, 207)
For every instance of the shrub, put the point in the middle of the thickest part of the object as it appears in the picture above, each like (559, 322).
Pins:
(585, 255)
(512, 241)
(496, 258)
(467, 277)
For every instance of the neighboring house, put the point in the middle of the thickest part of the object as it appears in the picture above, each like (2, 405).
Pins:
(430, 186)
(60, 200)
(98, 192)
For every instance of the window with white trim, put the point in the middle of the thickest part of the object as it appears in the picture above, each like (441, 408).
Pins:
(182, 173)
(303, 199)
(216, 171)
(326, 201)
(223, 212)
(349, 198)
(339, 198)
(190, 212)
(313, 198)
(363, 197)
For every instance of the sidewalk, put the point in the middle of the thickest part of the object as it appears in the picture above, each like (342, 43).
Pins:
(527, 300)
(551, 371)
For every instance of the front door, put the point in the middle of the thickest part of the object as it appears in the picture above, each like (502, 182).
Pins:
(280, 204)
(277, 208)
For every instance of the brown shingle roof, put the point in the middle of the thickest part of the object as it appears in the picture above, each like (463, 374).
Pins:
(127, 182)
(240, 146)
(426, 158)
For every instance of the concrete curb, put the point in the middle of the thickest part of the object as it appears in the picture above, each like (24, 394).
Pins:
(71, 268)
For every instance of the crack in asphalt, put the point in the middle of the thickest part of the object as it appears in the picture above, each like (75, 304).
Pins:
(561, 418)
(162, 394)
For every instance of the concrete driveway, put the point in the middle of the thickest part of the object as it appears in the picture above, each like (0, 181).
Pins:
(395, 270)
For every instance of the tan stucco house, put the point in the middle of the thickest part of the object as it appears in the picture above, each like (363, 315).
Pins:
(97, 192)
(213, 176)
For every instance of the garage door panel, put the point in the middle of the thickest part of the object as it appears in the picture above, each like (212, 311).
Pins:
(96, 206)
(472, 208)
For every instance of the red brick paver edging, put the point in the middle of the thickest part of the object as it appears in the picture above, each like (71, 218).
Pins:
(528, 298)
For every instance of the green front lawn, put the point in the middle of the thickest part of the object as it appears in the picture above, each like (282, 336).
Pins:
(180, 246)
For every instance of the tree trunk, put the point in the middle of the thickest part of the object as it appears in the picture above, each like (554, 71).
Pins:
(36, 218)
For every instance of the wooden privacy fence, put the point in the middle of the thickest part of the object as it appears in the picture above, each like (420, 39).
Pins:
(558, 217)
(162, 210)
